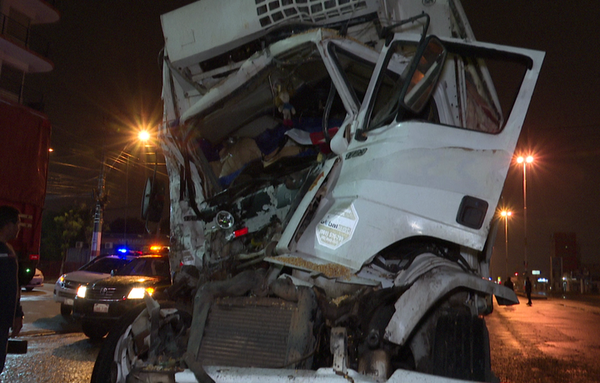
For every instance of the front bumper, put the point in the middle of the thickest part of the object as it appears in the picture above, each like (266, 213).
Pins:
(261, 375)
(65, 296)
(102, 311)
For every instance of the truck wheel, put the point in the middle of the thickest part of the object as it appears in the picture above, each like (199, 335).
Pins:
(115, 359)
(462, 348)
(93, 330)
(65, 310)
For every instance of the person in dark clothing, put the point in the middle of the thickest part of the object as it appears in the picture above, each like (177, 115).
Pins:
(509, 284)
(11, 313)
(528, 290)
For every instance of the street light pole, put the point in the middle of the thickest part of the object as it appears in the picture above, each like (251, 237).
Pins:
(525, 161)
(506, 214)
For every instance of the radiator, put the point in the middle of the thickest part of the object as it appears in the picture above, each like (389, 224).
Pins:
(257, 332)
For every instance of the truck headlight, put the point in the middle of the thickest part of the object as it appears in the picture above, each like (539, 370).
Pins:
(81, 291)
(138, 292)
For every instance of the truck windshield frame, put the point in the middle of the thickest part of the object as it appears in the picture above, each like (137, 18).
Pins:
(352, 68)
(480, 67)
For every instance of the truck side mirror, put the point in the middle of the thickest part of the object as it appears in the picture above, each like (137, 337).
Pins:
(423, 74)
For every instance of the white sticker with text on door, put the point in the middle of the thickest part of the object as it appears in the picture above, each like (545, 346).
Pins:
(337, 227)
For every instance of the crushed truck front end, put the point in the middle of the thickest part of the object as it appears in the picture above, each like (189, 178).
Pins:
(332, 199)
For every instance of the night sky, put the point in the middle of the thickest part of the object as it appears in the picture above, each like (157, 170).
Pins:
(562, 128)
(107, 81)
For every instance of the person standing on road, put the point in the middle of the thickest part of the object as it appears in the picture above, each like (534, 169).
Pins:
(11, 313)
(509, 284)
(528, 290)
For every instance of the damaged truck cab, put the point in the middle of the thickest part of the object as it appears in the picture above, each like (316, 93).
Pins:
(333, 188)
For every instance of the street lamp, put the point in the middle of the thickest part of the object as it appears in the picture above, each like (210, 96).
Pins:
(525, 161)
(505, 214)
(143, 135)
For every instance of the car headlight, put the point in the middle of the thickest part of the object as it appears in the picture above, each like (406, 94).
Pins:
(61, 279)
(138, 292)
(81, 291)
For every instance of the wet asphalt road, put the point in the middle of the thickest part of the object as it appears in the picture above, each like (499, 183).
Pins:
(61, 358)
(57, 350)
(554, 341)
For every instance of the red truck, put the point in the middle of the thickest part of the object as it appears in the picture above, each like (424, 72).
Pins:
(25, 147)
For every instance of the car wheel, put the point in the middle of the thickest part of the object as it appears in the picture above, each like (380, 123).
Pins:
(94, 330)
(29, 289)
(65, 310)
(119, 351)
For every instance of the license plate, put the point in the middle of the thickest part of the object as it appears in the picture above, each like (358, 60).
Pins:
(68, 302)
(100, 307)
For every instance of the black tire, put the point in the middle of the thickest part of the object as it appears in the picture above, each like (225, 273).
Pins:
(94, 330)
(105, 368)
(65, 310)
(462, 348)
(29, 289)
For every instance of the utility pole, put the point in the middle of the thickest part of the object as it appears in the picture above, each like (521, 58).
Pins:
(99, 213)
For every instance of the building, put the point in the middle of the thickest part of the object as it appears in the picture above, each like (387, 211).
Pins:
(24, 128)
(564, 246)
(565, 263)
(22, 50)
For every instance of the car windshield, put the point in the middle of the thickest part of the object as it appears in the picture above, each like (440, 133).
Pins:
(149, 267)
(105, 265)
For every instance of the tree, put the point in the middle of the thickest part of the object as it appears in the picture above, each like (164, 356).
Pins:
(60, 230)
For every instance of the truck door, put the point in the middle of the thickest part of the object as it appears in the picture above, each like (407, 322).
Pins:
(436, 170)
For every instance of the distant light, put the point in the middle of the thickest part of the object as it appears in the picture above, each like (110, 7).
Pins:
(528, 159)
(516, 274)
(122, 250)
(143, 135)
(535, 272)
(542, 280)
(50, 150)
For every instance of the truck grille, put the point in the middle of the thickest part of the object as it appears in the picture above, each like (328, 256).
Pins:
(254, 332)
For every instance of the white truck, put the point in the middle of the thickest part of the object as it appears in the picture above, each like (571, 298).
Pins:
(335, 168)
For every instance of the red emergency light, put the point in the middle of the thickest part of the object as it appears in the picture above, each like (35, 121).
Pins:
(240, 232)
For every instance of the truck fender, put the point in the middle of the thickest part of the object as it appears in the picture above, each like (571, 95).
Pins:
(431, 287)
